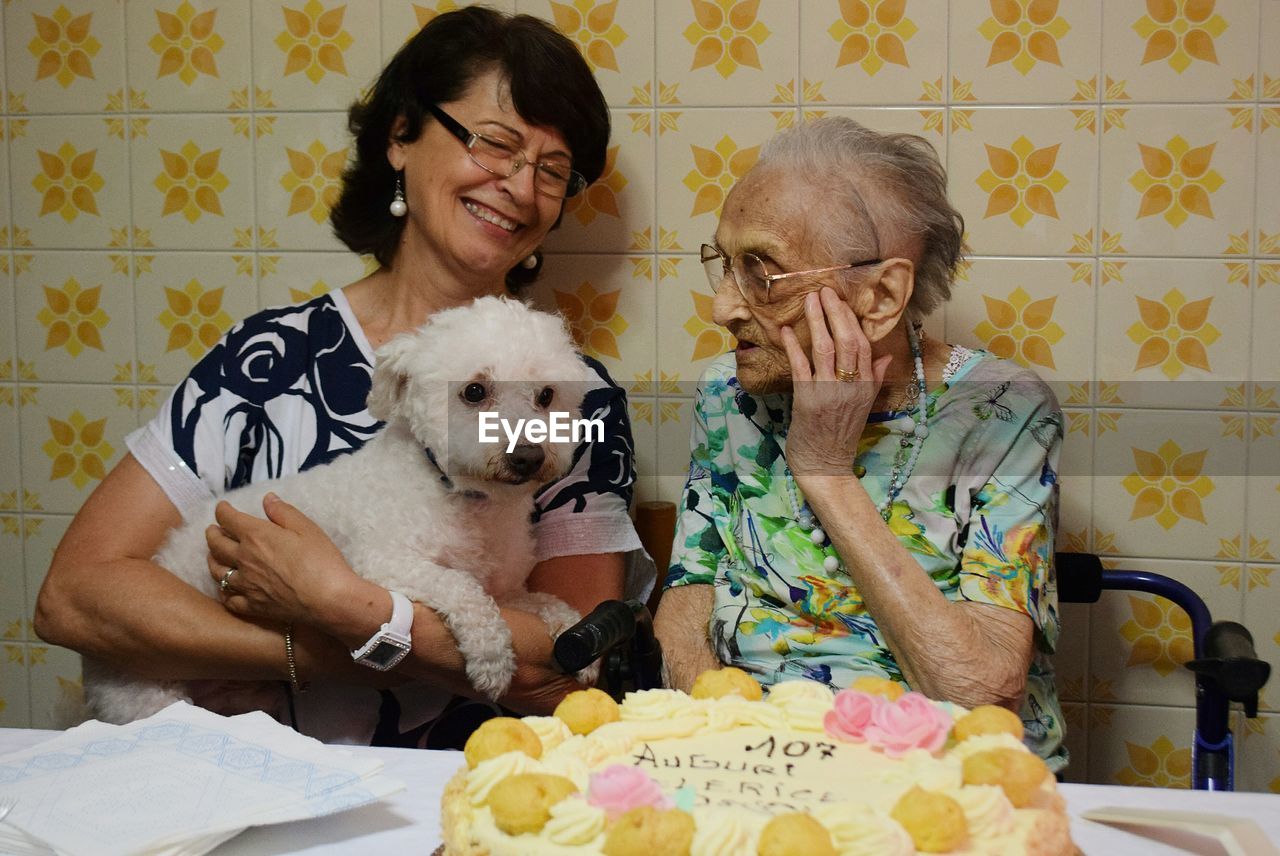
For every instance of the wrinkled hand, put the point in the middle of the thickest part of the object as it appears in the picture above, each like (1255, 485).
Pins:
(538, 685)
(828, 415)
(536, 690)
(286, 567)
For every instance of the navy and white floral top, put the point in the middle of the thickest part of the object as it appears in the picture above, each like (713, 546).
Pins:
(285, 390)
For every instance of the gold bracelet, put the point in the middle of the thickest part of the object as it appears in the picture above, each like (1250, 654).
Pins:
(298, 686)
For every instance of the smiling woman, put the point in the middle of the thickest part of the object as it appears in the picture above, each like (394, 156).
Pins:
(512, 81)
(466, 147)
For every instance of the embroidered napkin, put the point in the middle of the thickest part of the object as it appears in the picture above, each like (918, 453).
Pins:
(179, 782)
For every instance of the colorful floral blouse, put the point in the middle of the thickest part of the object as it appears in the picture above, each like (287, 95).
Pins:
(978, 512)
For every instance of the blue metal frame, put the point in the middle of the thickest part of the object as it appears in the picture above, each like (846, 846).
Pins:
(1212, 751)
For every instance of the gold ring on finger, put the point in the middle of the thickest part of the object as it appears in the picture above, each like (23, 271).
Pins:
(225, 585)
(846, 375)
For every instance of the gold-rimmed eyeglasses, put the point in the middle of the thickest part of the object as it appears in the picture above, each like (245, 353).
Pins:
(748, 273)
(505, 158)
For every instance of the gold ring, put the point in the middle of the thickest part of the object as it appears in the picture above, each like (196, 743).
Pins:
(847, 376)
(225, 585)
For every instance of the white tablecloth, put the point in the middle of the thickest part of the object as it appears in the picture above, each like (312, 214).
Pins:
(408, 822)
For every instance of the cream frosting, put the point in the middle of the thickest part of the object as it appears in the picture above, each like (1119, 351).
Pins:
(987, 811)
(858, 831)
(550, 730)
(724, 833)
(734, 763)
(575, 823)
(487, 774)
(804, 704)
(652, 705)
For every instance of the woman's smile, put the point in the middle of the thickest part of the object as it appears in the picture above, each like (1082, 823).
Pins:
(489, 216)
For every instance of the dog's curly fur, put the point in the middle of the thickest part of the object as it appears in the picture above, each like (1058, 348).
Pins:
(461, 549)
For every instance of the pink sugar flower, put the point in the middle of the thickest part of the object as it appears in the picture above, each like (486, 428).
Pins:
(850, 714)
(911, 722)
(618, 788)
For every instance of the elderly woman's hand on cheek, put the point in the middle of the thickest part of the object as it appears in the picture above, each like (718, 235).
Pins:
(832, 396)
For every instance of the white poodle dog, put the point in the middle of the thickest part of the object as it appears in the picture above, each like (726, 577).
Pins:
(424, 508)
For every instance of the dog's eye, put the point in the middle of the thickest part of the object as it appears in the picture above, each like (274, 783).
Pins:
(474, 393)
(545, 397)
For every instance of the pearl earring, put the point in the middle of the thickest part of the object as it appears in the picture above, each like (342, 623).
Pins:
(530, 262)
(398, 206)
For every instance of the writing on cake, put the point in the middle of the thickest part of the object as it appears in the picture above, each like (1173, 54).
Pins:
(766, 775)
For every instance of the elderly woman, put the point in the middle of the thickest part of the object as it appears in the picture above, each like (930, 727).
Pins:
(863, 500)
(467, 146)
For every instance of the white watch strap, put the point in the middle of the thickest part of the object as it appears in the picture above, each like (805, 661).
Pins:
(395, 630)
(401, 615)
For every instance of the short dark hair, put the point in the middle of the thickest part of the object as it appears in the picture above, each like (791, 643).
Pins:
(550, 83)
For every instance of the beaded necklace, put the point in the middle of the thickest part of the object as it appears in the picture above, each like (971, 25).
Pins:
(904, 461)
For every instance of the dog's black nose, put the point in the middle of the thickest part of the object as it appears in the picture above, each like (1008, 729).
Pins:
(525, 459)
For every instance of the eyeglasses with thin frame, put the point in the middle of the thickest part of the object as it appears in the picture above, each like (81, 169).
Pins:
(749, 274)
(504, 158)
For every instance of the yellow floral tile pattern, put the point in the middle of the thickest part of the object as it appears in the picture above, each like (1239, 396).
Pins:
(715, 171)
(1180, 32)
(1160, 765)
(1173, 334)
(592, 25)
(855, 52)
(1160, 633)
(77, 449)
(592, 319)
(709, 339)
(1024, 32)
(73, 317)
(1176, 181)
(1020, 328)
(873, 33)
(1022, 181)
(191, 182)
(312, 181)
(602, 196)
(313, 40)
(194, 318)
(64, 45)
(68, 182)
(186, 43)
(726, 34)
(1168, 484)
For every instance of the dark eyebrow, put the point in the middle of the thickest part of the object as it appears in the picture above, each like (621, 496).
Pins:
(514, 135)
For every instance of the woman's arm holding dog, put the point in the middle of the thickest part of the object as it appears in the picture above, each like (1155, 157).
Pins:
(583, 582)
(293, 573)
(105, 598)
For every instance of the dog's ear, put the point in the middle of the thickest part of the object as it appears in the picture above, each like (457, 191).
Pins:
(390, 377)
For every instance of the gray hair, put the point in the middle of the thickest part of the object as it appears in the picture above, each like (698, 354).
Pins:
(903, 197)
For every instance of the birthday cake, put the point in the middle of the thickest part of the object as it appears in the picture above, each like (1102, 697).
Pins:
(868, 770)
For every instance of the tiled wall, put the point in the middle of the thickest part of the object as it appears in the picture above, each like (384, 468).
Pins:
(168, 165)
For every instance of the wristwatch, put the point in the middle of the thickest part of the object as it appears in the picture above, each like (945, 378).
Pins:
(391, 643)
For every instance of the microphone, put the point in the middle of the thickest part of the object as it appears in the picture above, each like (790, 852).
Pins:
(609, 624)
